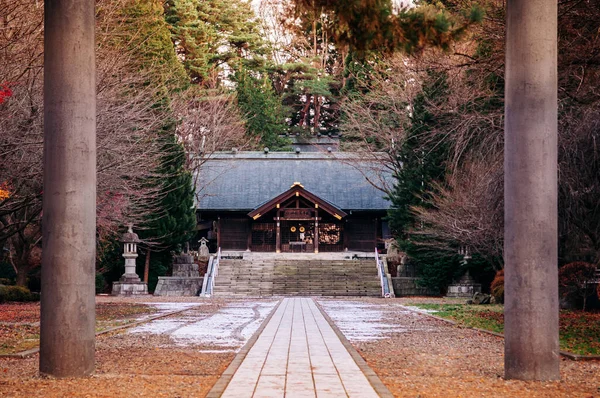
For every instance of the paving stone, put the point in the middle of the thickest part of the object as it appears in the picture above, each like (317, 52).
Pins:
(299, 355)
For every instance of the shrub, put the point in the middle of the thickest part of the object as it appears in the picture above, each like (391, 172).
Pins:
(497, 287)
(17, 293)
(574, 281)
(100, 283)
(6, 281)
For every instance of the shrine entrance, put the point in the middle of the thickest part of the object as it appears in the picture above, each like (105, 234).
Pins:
(297, 221)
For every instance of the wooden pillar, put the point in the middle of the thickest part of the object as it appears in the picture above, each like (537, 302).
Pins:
(249, 240)
(530, 192)
(67, 321)
(219, 233)
(316, 231)
(278, 233)
(374, 233)
(345, 237)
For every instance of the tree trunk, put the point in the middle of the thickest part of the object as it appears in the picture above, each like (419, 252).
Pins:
(22, 276)
(530, 192)
(147, 266)
(317, 113)
(67, 328)
(305, 111)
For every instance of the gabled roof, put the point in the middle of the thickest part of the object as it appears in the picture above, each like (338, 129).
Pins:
(297, 189)
(244, 180)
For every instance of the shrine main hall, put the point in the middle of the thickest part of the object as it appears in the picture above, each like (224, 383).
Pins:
(309, 202)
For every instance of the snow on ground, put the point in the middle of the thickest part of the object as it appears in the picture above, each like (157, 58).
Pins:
(359, 321)
(164, 307)
(371, 321)
(229, 328)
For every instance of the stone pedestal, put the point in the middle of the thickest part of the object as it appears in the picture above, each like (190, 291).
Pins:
(186, 281)
(130, 284)
(129, 288)
(466, 287)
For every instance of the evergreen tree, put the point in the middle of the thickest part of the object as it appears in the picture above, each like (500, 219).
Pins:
(146, 30)
(421, 160)
(213, 36)
(169, 231)
(422, 167)
(265, 118)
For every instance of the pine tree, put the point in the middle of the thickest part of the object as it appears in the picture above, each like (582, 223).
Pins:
(422, 167)
(262, 109)
(214, 36)
(169, 231)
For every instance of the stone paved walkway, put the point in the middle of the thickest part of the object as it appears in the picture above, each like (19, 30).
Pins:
(298, 355)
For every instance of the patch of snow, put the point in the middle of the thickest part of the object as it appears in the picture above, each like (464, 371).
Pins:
(230, 327)
(159, 326)
(225, 351)
(164, 307)
(359, 321)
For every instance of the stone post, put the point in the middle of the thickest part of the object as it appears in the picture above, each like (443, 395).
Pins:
(69, 199)
(530, 191)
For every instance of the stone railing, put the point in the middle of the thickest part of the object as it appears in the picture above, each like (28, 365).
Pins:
(381, 272)
(211, 274)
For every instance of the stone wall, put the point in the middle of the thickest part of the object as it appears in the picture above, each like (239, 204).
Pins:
(405, 286)
(186, 280)
(178, 286)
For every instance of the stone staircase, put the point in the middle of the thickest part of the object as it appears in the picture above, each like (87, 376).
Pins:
(254, 278)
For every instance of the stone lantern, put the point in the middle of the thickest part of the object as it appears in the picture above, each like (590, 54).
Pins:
(466, 286)
(130, 283)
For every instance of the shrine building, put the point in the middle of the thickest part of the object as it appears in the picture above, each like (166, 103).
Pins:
(292, 202)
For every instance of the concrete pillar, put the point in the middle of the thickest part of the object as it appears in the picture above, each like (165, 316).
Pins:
(69, 203)
(530, 164)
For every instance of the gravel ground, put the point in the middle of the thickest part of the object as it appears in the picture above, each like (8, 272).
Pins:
(418, 356)
(143, 364)
(413, 354)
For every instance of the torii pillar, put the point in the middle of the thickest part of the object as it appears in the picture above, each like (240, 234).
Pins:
(69, 199)
(530, 192)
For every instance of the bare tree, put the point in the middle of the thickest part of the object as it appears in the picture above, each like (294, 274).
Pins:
(208, 122)
(467, 210)
(127, 128)
(375, 119)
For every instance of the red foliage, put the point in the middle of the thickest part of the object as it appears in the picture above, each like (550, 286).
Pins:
(20, 312)
(497, 287)
(574, 280)
(5, 92)
(492, 315)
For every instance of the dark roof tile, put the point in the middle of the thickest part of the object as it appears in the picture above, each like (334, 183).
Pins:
(244, 180)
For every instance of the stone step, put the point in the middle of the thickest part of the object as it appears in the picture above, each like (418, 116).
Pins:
(264, 277)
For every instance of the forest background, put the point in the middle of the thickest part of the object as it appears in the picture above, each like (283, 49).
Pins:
(419, 88)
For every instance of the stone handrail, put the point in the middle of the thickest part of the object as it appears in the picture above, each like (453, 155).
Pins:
(211, 273)
(385, 286)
